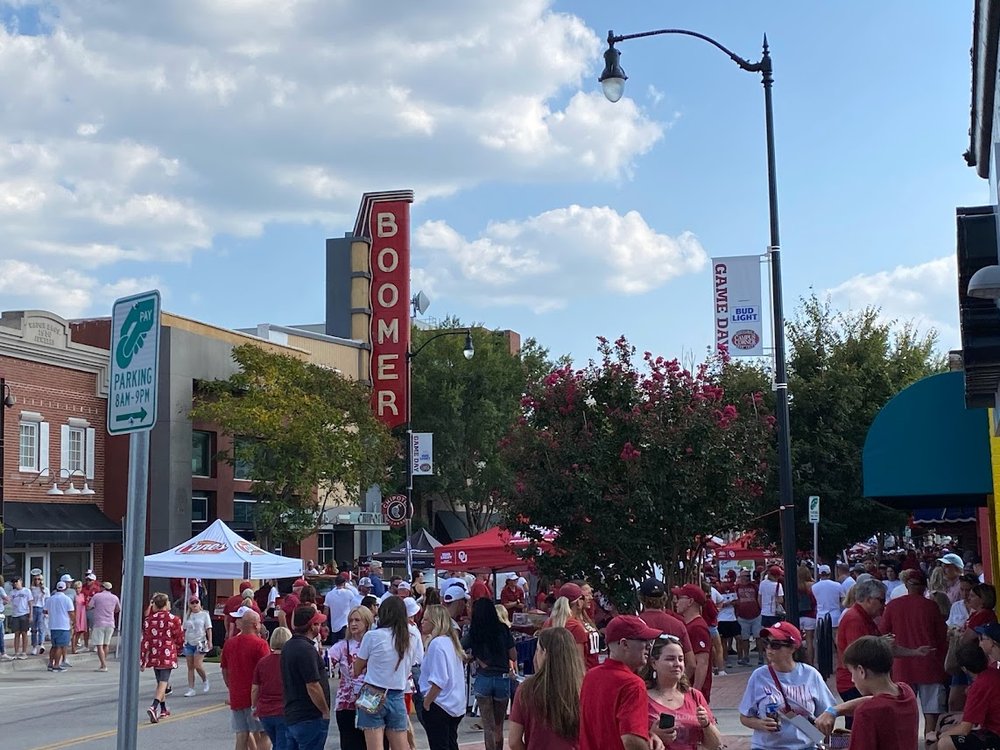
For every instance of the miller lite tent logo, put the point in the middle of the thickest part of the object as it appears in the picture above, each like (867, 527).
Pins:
(203, 547)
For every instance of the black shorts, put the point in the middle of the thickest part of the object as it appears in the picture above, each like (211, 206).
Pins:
(729, 629)
(767, 621)
(977, 740)
(162, 675)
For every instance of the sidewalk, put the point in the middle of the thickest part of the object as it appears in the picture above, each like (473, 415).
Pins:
(82, 659)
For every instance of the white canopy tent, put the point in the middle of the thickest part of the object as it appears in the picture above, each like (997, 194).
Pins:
(219, 552)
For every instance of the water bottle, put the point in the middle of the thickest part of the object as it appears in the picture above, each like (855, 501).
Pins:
(772, 711)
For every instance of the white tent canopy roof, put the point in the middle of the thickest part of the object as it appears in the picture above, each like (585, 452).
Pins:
(219, 552)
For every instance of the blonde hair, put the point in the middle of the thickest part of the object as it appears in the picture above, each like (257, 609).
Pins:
(502, 614)
(560, 613)
(937, 580)
(279, 638)
(440, 619)
(366, 617)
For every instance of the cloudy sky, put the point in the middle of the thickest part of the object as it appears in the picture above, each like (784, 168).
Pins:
(208, 148)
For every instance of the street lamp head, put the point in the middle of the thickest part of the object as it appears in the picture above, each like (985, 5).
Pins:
(8, 397)
(468, 350)
(613, 78)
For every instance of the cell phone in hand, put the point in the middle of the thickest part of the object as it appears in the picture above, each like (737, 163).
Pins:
(666, 721)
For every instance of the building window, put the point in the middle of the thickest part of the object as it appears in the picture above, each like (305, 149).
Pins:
(199, 509)
(201, 453)
(243, 458)
(29, 447)
(77, 449)
(324, 547)
(75, 462)
(243, 509)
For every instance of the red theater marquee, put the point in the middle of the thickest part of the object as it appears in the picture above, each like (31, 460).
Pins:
(384, 220)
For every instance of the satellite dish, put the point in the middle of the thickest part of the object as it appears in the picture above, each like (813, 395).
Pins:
(420, 303)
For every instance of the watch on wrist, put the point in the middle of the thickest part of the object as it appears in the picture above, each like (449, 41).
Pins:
(832, 710)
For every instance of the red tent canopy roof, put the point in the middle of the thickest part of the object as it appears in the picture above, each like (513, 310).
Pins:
(489, 550)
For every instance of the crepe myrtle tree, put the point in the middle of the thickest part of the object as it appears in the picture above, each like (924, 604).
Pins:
(633, 462)
(303, 434)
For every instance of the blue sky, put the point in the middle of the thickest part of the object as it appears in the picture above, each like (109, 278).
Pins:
(210, 151)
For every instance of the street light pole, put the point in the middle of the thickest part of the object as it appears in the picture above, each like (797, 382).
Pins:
(468, 351)
(6, 401)
(613, 81)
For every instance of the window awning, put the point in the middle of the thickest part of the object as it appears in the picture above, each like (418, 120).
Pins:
(925, 449)
(58, 523)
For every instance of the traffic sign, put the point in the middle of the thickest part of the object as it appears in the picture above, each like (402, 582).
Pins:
(135, 361)
(814, 509)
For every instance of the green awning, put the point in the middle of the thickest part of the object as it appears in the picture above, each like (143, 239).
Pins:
(925, 449)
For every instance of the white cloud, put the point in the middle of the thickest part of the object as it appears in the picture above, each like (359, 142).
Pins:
(138, 131)
(545, 260)
(924, 294)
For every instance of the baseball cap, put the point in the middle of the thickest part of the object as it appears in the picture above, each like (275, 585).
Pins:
(783, 631)
(91, 577)
(454, 593)
(65, 578)
(630, 628)
(317, 619)
(411, 607)
(343, 578)
(365, 582)
(858, 568)
(651, 587)
(823, 569)
(108, 585)
(990, 630)
(690, 590)
(299, 583)
(916, 577)
(194, 600)
(241, 611)
(246, 585)
(61, 586)
(374, 564)
(952, 559)
(571, 591)
(774, 570)
(405, 585)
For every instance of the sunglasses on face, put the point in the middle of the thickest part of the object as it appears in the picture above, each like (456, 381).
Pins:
(780, 644)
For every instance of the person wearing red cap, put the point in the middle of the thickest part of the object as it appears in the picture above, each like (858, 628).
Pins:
(689, 600)
(290, 603)
(784, 686)
(233, 603)
(915, 621)
(613, 700)
(240, 655)
(586, 635)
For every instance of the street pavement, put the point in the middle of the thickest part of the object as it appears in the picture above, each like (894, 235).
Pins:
(41, 710)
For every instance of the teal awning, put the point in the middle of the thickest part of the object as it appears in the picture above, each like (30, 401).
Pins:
(925, 449)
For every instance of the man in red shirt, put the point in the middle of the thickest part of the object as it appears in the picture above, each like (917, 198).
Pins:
(613, 701)
(858, 621)
(747, 608)
(654, 613)
(982, 703)
(240, 655)
(512, 595)
(689, 600)
(481, 589)
(916, 621)
(290, 603)
(232, 604)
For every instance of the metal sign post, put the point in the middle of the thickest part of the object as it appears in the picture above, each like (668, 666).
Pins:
(135, 360)
(814, 520)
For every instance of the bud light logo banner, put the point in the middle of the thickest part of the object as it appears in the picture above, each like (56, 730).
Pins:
(739, 319)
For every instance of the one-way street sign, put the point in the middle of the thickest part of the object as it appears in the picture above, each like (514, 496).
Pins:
(135, 359)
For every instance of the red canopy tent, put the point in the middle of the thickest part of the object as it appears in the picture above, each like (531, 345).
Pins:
(491, 550)
(740, 549)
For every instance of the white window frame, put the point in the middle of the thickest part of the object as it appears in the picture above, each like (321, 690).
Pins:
(321, 549)
(41, 464)
(87, 435)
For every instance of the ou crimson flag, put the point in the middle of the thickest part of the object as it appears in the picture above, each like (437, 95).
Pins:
(739, 321)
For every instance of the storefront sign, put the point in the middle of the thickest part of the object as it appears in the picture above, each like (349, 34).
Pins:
(739, 327)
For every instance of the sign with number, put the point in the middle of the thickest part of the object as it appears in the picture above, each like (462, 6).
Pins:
(135, 361)
(814, 509)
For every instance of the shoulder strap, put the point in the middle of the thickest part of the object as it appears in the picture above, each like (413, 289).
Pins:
(781, 689)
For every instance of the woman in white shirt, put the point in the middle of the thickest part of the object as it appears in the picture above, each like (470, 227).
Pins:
(442, 680)
(388, 653)
(197, 643)
(39, 593)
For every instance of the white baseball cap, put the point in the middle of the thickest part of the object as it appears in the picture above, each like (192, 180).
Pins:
(403, 585)
(453, 594)
(952, 559)
(241, 611)
(91, 577)
(61, 586)
(66, 578)
(823, 569)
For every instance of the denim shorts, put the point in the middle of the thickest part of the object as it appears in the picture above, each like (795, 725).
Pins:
(191, 650)
(496, 687)
(60, 638)
(391, 716)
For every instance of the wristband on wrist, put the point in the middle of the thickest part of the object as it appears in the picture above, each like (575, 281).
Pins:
(832, 710)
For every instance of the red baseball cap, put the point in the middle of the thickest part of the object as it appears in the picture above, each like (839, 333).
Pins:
(299, 583)
(630, 628)
(246, 585)
(783, 631)
(571, 591)
(774, 570)
(692, 591)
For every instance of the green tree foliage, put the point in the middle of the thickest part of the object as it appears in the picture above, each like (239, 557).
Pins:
(631, 462)
(468, 405)
(308, 436)
(843, 368)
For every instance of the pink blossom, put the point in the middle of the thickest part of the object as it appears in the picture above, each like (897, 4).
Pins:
(629, 453)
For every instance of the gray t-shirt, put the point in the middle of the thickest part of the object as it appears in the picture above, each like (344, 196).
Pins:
(807, 694)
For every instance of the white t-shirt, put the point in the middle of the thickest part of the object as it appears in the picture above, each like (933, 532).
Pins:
(769, 593)
(959, 615)
(829, 600)
(385, 668)
(39, 595)
(340, 601)
(59, 606)
(900, 591)
(891, 586)
(807, 693)
(196, 628)
(724, 603)
(20, 602)
(442, 666)
(847, 584)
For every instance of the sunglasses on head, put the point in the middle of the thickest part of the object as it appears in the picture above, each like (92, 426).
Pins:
(668, 638)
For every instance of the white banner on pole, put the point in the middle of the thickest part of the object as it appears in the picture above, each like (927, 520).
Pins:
(422, 454)
(739, 324)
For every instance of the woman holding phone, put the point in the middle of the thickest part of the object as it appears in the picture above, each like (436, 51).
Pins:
(678, 714)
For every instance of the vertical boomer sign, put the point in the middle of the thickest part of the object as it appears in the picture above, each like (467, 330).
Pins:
(738, 317)
(384, 219)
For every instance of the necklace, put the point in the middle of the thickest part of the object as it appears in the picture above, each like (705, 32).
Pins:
(669, 699)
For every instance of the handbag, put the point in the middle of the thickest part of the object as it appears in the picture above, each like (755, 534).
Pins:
(370, 700)
(802, 723)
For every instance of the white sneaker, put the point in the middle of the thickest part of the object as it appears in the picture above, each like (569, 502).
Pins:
(205, 687)
(189, 692)
(34, 650)
(6, 657)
